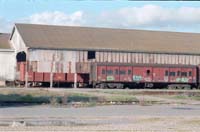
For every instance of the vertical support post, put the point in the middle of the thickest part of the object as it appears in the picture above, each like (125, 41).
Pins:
(26, 75)
(51, 75)
(75, 80)
(27, 69)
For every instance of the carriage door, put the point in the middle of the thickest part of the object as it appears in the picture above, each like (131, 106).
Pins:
(147, 74)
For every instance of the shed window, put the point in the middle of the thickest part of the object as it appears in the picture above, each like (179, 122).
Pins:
(129, 72)
(166, 73)
(91, 54)
(172, 74)
(190, 73)
(103, 71)
(122, 72)
(148, 72)
(109, 72)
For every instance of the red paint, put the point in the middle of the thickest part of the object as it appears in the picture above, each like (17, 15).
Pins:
(38, 77)
(119, 73)
(46, 77)
(144, 72)
(125, 73)
(22, 68)
(101, 73)
(59, 77)
(70, 77)
(112, 71)
(31, 76)
(173, 74)
(160, 75)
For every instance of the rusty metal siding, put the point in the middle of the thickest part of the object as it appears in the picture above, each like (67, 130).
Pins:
(198, 60)
(77, 56)
(124, 57)
(129, 57)
(132, 57)
(101, 56)
(65, 61)
(97, 57)
(193, 59)
(85, 56)
(117, 57)
(154, 59)
(62, 61)
(176, 59)
(187, 60)
(83, 67)
(109, 57)
(113, 56)
(120, 58)
(81, 56)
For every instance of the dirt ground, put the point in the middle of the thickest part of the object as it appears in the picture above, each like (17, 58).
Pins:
(175, 111)
(158, 118)
(139, 124)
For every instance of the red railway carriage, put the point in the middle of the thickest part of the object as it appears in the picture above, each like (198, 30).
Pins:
(129, 75)
(44, 77)
(116, 75)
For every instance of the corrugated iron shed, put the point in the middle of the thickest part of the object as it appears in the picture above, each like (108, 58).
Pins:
(85, 38)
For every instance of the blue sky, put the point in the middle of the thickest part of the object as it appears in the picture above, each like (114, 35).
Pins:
(170, 16)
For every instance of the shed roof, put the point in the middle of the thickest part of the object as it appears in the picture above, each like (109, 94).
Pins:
(68, 37)
(4, 41)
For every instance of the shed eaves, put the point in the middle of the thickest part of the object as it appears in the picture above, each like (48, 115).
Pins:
(69, 37)
(4, 41)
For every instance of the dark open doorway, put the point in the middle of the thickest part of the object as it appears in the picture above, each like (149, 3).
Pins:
(21, 56)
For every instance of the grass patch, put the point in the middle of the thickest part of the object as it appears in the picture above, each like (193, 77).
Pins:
(184, 97)
(180, 97)
(77, 97)
(17, 98)
(120, 98)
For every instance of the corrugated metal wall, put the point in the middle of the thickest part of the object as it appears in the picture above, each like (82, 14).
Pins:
(54, 60)
(66, 61)
(7, 66)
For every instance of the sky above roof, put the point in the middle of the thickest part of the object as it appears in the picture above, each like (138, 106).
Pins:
(148, 15)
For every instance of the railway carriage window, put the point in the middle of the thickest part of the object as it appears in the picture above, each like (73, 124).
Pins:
(190, 73)
(103, 71)
(109, 72)
(148, 72)
(122, 72)
(172, 74)
(184, 74)
(116, 71)
(129, 72)
(178, 73)
(166, 73)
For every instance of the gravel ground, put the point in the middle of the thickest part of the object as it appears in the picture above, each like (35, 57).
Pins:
(159, 118)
